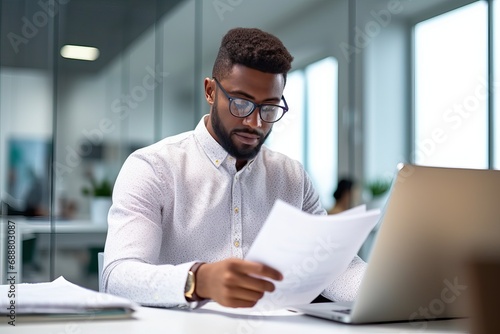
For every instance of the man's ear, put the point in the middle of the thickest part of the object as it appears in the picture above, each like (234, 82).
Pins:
(209, 90)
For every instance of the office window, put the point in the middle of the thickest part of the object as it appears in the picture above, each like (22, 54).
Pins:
(451, 125)
(287, 136)
(308, 132)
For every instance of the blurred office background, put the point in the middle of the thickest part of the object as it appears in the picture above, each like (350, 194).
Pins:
(374, 83)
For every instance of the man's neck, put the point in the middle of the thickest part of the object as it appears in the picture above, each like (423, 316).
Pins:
(240, 164)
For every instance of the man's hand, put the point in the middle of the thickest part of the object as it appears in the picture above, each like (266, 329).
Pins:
(235, 282)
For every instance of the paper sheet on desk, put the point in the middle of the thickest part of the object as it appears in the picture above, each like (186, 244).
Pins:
(309, 250)
(63, 299)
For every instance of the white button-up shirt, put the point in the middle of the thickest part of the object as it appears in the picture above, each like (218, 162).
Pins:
(181, 200)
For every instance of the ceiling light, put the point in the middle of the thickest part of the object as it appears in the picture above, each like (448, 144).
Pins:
(80, 52)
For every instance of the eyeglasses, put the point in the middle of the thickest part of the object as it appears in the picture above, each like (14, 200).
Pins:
(241, 108)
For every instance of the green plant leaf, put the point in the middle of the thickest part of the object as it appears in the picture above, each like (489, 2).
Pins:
(379, 187)
(99, 189)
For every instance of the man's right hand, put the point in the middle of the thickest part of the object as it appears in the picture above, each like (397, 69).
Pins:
(234, 282)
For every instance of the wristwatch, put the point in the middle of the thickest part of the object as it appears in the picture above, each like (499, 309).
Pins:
(190, 287)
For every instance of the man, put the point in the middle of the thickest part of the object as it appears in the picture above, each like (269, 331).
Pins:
(186, 209)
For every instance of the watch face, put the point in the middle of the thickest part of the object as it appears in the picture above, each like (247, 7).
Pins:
(189, 288)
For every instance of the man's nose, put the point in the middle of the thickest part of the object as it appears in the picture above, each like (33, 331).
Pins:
(253, 120)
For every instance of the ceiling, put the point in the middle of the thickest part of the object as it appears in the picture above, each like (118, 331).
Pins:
(109, 25)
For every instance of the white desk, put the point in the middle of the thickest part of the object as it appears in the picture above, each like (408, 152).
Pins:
(25, 227)
(61, 226)
(73, 233)
(211, 320)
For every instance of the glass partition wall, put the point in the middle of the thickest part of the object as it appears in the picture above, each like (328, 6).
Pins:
(67, 125)
(27, 112)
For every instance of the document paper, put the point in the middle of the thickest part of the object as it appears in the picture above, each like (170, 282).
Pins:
(61, 299)
(309, 250)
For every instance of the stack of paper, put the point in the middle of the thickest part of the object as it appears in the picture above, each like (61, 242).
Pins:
(309, 250)
(60, 299)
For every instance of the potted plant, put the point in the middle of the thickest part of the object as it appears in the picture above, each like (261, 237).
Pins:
(100, 193)
(378, 189)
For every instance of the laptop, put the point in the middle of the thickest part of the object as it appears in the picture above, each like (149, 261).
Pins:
(434, 221)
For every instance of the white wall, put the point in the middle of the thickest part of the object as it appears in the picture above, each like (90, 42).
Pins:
(386, 102)
(25, 110)
(29, 94)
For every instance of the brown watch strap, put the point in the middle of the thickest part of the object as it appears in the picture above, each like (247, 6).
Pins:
(194, 269)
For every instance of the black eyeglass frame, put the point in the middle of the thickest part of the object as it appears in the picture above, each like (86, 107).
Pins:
(254, 105)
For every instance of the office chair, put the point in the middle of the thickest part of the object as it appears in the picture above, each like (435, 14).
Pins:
(100, 264)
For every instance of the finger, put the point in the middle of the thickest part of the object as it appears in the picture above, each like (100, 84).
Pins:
(259, 269)
(246, 295)
(253, 283)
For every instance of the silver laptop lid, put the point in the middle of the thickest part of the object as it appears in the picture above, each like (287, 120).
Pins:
(434, 221)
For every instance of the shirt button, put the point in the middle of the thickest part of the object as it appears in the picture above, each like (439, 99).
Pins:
(236, 210)
(216, 162)
(236, 243)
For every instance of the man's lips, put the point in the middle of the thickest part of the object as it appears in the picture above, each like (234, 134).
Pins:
(247, 138)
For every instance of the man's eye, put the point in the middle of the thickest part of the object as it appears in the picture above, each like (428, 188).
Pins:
(269, 108)
(242, 105)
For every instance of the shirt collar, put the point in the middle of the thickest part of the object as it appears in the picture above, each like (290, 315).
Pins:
(216, 153)
(212, 148)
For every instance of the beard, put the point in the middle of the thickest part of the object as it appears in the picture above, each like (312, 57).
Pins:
(224, 136)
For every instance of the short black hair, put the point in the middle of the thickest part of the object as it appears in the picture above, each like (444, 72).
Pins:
(253, 48)
(343, 186)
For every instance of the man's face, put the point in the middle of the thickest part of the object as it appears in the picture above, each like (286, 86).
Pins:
(242, 138)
